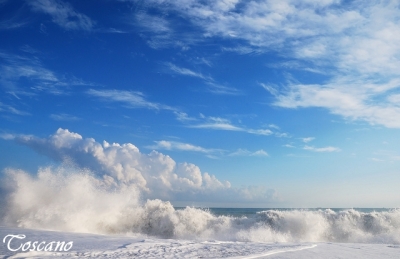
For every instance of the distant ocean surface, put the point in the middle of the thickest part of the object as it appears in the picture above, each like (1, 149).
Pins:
(248, 212)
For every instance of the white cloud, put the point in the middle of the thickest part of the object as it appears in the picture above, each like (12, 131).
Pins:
(217, 123)
(153, 24)
(63, 117)
(14, 69)
(245, 152)
(174, 145)
(159, 32)
(309, 139)
(259, 153)
(356, 101)
(222, 89)
(282, 135)
(262, 23)
(243, 50)
(186, 72)
(377, 159)
(182, 116)
(273, 126)
(213, 87)
(130, 98)
(10, 109)
(155, 175)
(394, 99)
(354, 44)
(12, 23)
(270, 88)
(322, 149)
(20, 66)
(7, 136)
(289, 146)
(265, 132)
(63, 14)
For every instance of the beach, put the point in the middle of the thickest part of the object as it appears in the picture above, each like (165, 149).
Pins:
(140, 246)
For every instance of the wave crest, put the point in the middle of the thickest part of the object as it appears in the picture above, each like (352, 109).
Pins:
(68, 199)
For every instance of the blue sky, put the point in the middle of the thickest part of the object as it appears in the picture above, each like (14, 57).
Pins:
(261, 103)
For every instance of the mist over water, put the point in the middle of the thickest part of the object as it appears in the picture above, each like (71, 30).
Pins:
(72, 199)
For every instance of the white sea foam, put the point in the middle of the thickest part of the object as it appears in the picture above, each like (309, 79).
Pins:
(68, 199)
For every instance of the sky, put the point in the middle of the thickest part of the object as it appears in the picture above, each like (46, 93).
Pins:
(207, 103)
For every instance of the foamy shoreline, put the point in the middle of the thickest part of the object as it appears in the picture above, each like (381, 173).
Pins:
(140, 246)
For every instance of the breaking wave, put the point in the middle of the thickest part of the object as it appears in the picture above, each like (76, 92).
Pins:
(68, 199)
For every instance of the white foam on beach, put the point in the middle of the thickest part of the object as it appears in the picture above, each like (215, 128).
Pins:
(119, 246)
(68, 199)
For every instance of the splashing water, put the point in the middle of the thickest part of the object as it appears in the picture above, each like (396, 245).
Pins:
(68, 199)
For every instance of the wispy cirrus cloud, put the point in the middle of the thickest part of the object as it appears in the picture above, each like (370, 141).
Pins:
(63, 14)
(212, 153)
(12, 23)
(183, 116)
(354, 44)
(13, 16)
(12, 110)
(217, 123)
(187, 72)
(180, 146)
(308, 139)
(245, 152)
(131, 99)
(64, 117)
(322, 149)
(7, 136)
(16, 69)
(213, 87)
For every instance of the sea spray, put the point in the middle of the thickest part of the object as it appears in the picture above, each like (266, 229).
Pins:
(71, 199)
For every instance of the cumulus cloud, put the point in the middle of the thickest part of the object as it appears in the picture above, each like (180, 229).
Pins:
(155, 175)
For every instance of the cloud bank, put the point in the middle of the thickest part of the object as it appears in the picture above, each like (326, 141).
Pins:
(154, 175)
